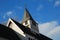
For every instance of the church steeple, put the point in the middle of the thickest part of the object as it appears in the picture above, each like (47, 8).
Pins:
(26, 15)
(28, 21)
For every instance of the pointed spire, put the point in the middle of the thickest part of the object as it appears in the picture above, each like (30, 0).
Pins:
(26, 15)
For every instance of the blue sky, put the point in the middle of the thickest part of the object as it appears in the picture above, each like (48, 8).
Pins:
(45, 12)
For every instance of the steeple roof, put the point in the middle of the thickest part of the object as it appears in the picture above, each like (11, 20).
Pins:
(27, 16)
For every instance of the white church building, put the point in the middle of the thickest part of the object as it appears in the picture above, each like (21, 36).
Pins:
(27, 29)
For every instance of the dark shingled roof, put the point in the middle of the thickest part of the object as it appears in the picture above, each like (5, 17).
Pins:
(8, 33)
(28, 31)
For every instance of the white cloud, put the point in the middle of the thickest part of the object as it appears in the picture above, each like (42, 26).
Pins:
(9, 13)
(50, 29)
(40, 7)
(47, 27)
(55, 33)
(57, 3)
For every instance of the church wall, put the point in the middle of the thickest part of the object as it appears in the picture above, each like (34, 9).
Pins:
(21, 37)
(34, 28)
(29, 24)
(29, 37)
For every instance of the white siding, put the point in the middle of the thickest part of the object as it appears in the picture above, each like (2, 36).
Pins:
(28, 24)
(15, 28)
